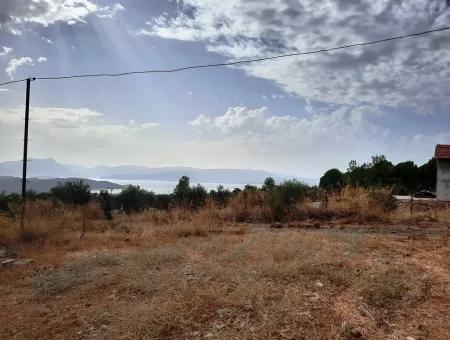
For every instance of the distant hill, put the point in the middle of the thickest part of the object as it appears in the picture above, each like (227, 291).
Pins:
(50, 168)
(10, 184)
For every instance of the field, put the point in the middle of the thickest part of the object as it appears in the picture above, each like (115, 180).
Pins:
(181, 275)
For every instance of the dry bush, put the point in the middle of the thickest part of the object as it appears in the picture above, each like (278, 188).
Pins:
(360, 205)
(382, 200)
(249, 206)
(45, 220)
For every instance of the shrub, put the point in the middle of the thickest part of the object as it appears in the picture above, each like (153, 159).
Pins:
(4, 202)
(105, 199)
(197, 197)
(189, 197)
(387, 289)
(162, 202)
(333, 179)
(383, 200)
(221, 196)
(291, 192)
(72, 192)
(269, 184)
(133, 199)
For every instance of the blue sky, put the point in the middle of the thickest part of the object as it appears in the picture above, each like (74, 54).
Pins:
(299, 116)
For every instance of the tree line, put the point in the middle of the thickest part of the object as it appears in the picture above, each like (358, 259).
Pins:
(133, 199)
(404, 178)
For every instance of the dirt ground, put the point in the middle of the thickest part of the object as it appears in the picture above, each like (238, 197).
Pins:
(305, 280)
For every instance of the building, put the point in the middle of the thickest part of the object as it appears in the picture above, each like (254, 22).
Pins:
(442, 155)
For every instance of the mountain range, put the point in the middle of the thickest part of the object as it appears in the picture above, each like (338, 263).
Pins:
(50, 168)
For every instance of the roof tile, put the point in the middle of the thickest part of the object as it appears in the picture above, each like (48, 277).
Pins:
(442, 151)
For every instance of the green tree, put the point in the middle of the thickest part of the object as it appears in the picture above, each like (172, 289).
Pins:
(197, 197)
(250, 188)
(105, 199)
(406, 178)
(182, 192)
(380, 173)
(162, 202)
(221, 196)
(269, 184)
(333, 179)
(427, 175)
(72, 192)
(352, 165)
(132, 199)
(285, 196)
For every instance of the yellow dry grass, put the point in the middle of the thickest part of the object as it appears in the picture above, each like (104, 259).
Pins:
(195, 275)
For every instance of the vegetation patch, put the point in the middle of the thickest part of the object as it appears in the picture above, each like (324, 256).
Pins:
(386, 290)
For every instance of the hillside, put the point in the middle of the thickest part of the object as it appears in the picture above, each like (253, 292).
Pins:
(10, 184)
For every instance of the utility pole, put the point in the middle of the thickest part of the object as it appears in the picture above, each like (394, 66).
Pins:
(25, 154)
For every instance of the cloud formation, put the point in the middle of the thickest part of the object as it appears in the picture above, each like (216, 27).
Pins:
(14, 64)
(411, 73)
(4, 51)
(309, 146)
(241, 137)
(14, 13)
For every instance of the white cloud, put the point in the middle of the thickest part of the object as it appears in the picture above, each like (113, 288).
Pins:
(2, 89)
(48, 41)
(4, 51)
(305, 146)
(110, 11)
(48, 12)
(14, 64)
(409, 73)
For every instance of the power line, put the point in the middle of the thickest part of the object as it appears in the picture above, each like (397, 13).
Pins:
(247, 61)
(13, 82)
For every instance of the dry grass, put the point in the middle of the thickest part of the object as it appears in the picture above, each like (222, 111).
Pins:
(193, 275)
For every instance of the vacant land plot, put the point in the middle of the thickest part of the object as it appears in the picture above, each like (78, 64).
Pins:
(235, 281)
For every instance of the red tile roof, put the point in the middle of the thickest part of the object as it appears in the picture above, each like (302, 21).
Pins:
(442, 151)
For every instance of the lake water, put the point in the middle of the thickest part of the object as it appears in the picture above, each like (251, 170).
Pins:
(166, 187)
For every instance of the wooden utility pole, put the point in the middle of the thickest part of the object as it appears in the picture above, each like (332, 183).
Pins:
(25, 155)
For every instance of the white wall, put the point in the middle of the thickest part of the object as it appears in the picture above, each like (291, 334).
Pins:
(443, 179)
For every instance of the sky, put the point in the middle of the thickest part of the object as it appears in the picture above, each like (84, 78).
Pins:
(300, 115)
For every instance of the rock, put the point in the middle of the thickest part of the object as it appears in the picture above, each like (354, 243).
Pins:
(23, 262)
(10, 262)
(319, 284)
(2, 252)
(224, 312)
(219, 326)
(7, 262)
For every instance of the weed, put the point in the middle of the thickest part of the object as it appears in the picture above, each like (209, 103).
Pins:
(386, 290)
